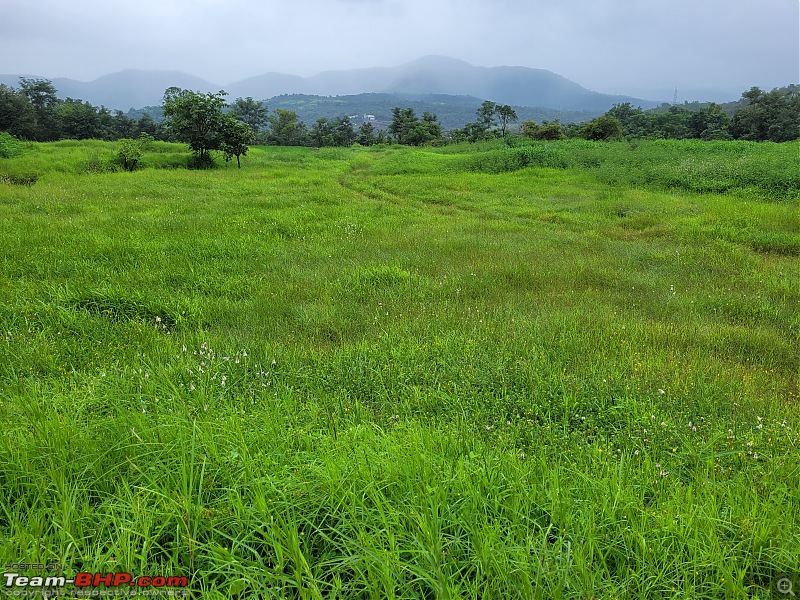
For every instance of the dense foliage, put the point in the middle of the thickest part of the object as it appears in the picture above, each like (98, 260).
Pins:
(34, 112)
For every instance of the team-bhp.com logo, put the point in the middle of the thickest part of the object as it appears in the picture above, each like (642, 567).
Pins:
(89, 584)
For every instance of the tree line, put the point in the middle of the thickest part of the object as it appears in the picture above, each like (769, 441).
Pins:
(760, 116)
(206, 122)
(34, 112)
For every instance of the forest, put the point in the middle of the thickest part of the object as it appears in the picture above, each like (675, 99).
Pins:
(33, 111)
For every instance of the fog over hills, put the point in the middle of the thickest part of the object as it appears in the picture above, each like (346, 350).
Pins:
(518, 86)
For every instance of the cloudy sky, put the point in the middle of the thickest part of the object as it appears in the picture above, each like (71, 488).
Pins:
(616, 46)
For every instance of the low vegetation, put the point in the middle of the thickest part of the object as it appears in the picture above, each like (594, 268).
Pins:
(507, 369)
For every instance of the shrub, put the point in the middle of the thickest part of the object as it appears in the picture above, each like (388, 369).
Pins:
(131, 151)
(9, 145)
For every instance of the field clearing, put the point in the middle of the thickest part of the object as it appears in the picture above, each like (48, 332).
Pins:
(553, 370)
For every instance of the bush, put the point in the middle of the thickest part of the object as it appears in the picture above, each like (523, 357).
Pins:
(9, 145)
(131, 151)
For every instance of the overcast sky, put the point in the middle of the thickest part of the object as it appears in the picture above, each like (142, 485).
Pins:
(621, 46)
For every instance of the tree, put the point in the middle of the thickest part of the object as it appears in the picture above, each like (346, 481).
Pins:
(428, 130)
(773, 116)
(603, 128)
(343, 132)
(481, 129)
(486, 113)
(42, 96)
(548, 130)
(250, 111)
(236, 135)
(507, 115)
(634, 122)
(17, 116)
(408, 129)
(321, 133)
(403, 121)
(131, 150)
(123, 126)
(146, 124)
(195, 119)
(672, 124)
(366, 134)
(285, 129)
(78, 120)
(709, 123)
(472, 132)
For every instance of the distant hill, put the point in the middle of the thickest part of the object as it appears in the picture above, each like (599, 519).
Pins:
(519, 86)
(452, 111)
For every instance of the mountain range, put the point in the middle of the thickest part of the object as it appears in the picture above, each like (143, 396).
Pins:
(518, 86)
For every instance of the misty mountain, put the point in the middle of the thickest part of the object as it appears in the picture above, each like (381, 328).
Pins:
(518, 86)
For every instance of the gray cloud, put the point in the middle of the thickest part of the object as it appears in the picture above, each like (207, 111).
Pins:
(608, 45)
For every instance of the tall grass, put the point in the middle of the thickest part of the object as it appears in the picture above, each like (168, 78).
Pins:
(408, 373)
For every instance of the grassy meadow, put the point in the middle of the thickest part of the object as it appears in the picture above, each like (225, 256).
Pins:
(507, 370)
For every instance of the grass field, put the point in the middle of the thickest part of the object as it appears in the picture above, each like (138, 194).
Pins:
(554, 370)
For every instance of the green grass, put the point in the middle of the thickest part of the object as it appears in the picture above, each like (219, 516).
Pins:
(563, 370)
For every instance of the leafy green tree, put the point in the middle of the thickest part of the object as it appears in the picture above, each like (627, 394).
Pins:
(250, 111)
(403, 121)
(131, 150)
(548, 130)
(236, 135)
(673, 124)
(78, 120)
(472, 132)
(321, 133)
(123, 126)
(17, 116)
(709, 123)
(506, 114)
(602, 128)
(408, 129)
(366, 134)
(483, 127)
(344, 134)
(769, 116)
(486, 115)
(146, 124)
(285, 129)
(632, 120)
(195, 119)
(430, 129)
(42, 95)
